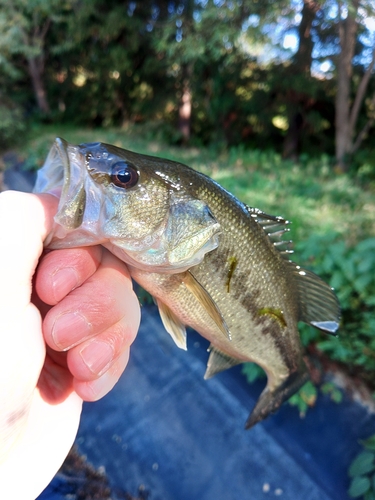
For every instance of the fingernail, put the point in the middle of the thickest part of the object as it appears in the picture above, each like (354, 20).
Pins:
(70, 329)
(64, 281)
(97, 356)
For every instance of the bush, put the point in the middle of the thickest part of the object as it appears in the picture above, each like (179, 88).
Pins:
(12, 124)
(362, 472)
(349, 269)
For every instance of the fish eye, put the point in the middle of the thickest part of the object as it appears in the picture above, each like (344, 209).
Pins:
(124, 175)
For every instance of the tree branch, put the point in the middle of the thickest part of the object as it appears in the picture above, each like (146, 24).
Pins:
(363, 133)
(360, 94)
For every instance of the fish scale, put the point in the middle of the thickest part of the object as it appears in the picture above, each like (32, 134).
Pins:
(210, 262)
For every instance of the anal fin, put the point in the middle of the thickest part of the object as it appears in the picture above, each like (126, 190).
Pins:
(172, 324)
(218, 361)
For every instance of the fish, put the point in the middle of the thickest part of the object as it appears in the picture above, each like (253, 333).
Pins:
(210, 262)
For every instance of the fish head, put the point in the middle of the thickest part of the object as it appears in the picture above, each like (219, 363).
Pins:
(132, 204)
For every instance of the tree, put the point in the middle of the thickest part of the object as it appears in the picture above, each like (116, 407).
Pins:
(23, 33)
(350, 16)
(199, 34)
(300, 78)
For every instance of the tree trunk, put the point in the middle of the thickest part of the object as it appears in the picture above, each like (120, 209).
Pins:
(303, 57)
(36, 70)
(291, 144)
(360, 95)
(184, 111)
(301, 66)
(344, 132)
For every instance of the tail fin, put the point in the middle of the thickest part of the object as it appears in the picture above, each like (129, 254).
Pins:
(269, 401)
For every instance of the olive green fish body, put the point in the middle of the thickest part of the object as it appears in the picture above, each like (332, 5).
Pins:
(260, 307)
(257, 297)
(210, 261)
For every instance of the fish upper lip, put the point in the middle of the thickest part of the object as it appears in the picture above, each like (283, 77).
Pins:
(61, 147)
(55, 173)
(62, 176)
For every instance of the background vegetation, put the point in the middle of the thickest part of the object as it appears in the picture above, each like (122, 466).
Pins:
(293, 75)
(275, 100)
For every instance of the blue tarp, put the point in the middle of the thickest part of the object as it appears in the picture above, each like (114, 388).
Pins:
(169, 432)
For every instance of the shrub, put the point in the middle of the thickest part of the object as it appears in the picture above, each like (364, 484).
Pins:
(12, 124)
(349, 269)
(362, 472)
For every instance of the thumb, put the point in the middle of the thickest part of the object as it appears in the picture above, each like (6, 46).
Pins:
(24, 222)
(31, 431)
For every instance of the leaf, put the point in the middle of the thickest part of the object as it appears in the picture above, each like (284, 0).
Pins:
(331, 390)
(369, 495)
(369, 443)
(367, 244)
(252, 372)
(362, 464)
(362, 282)
(309, 393)
(365, 264)
(359, 486)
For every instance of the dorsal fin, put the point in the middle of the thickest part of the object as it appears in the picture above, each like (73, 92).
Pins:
(218, 361)
(275, 228)
(318, 304)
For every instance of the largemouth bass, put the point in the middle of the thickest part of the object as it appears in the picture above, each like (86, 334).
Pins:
(210, 261)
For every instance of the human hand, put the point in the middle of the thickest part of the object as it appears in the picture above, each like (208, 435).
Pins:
(42, 387)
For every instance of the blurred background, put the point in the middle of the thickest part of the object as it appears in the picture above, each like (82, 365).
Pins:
(274, 99)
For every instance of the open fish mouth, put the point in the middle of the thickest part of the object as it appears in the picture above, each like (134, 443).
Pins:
(55, 173)
(62, 175)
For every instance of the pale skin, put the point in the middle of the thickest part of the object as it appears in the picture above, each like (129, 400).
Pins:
(67, 320)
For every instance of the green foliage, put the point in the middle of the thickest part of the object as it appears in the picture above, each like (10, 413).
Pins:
(304, 398)
(12, 124)
(332, 391)
(110, 62)
(252, 372)
(348, 267)
(144, 297)
(362, 472)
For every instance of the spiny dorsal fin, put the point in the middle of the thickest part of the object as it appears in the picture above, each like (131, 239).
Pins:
(205, 299)
(275, 228)
(172, 324)
(318, 303)
(218, 361)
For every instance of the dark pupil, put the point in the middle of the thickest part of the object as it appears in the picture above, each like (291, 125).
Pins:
(124, 175)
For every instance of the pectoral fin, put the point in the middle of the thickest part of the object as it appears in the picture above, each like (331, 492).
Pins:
(218, 362)
(173, 325)
(206, 301)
